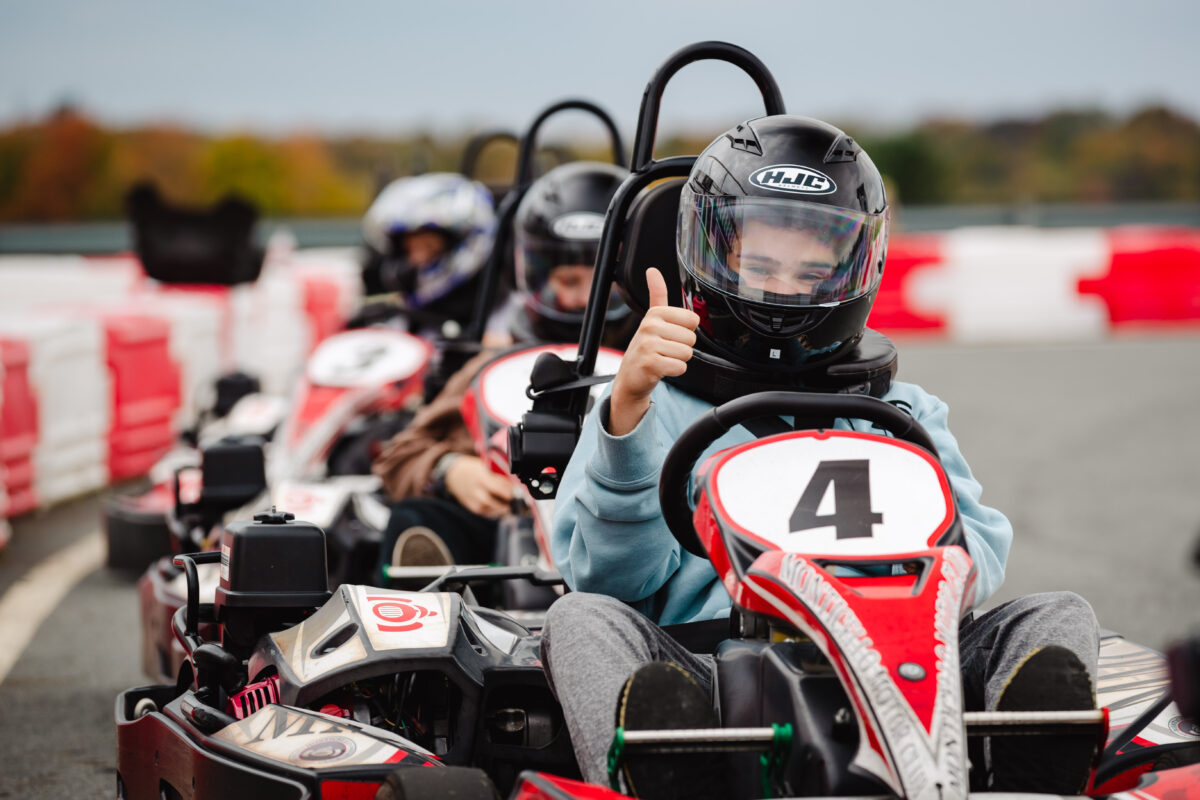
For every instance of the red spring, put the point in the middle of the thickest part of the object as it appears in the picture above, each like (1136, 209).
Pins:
(254, 697)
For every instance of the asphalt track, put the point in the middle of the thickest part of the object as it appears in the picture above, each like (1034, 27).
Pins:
(1093, 451)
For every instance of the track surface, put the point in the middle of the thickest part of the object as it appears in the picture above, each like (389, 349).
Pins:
(1093, 451)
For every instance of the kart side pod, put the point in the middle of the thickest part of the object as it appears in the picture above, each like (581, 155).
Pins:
(273, 573)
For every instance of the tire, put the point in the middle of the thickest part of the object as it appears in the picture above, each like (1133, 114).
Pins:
(137, 535)
(432, 783)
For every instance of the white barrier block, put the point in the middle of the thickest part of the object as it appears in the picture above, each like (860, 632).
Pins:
(195, 347)
(271, 333)
(27, 281)
(1013, 284)
(68, 372)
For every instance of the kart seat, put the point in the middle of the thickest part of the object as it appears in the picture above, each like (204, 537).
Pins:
(703, 636)
(649, 241)
(189, 245)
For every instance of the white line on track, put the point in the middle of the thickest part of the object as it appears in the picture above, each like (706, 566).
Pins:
(32, 598)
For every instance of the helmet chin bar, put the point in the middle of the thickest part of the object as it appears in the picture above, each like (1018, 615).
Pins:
(867, 367)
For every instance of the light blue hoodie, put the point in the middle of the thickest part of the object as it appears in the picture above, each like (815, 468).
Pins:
(609, 536)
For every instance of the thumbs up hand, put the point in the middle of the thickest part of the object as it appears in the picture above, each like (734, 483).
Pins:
(661, 346)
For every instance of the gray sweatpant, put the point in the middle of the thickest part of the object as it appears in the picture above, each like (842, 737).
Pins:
(592, 643)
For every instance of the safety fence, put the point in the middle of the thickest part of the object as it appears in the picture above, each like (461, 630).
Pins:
(103, 367)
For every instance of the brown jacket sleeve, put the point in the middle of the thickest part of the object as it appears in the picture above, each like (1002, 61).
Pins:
(407, 461)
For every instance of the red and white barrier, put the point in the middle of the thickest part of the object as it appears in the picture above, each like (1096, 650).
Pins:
(102, 367)
(1029, 284)
(68, 378)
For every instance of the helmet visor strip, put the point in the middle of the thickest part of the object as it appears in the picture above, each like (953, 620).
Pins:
(782, 252)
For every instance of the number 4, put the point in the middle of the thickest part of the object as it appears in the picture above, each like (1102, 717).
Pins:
(852, 515)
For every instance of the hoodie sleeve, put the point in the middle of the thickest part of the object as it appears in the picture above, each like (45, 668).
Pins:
(989, 533)
(608, 534)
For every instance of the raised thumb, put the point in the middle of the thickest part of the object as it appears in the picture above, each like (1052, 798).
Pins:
(657, 287)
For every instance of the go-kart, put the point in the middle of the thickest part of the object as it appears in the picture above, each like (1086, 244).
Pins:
(357, 390)
(845, 558)
(301, 692)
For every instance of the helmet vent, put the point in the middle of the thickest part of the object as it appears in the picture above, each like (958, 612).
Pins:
(772, 323)
(842, 150)
(747, 142)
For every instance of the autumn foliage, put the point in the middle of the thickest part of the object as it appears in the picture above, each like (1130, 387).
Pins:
(68, 167)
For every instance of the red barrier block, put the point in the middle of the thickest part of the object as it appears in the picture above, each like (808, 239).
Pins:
(322, 306)
(145, 391)
(1154, 277)
(892, 312)
(18, 427)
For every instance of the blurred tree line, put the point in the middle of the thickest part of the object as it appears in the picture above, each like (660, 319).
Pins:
(68, 167)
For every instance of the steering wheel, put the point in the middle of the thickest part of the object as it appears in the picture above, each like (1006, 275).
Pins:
(677, 466)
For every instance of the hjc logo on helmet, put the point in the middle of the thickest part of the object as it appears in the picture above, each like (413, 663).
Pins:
(583, 225)
(793, 178)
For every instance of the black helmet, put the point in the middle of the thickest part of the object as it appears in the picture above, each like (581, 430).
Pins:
(558, 223)
(782, 235)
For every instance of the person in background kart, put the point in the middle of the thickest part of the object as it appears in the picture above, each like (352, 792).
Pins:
(427, 238)
(449, 498)
(781, 240)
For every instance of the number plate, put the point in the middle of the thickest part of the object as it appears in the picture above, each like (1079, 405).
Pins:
(503, 382)
(369, 357)
(832, 493)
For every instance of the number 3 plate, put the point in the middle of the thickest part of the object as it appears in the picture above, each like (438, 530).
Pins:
(833, 493)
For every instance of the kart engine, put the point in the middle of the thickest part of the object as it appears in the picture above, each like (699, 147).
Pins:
(273, 573)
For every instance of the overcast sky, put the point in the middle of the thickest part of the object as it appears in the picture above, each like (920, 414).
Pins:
(389, 67)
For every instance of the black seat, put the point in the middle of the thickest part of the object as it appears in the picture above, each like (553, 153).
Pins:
(649, 241)
(194, 246)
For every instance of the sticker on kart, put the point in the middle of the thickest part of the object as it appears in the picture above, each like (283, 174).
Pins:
(308, 739)
(836, 493)
(360, 617)
(369, 357)
(1131, 678)
(503, 382)
(318, 503)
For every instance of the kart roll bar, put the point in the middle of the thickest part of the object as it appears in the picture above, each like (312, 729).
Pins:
(508, 207)
(677, 466)
(189, 635)
(541, 445)
(479, 143)
(646, 171)
(647, 128)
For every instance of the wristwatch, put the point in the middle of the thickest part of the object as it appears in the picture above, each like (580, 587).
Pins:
(437, 478)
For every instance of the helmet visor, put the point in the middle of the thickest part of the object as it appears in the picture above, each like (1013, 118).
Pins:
(556, 277)
(781, 252)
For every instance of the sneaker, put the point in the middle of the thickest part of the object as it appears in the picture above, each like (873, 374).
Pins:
(1051, 678)
(663, 696)
(419, 546)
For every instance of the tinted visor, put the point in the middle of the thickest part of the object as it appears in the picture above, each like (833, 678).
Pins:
(563, 296)
(781, 252)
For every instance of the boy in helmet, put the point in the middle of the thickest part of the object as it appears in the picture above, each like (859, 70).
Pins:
(427, 238)
(450, 498)
(781, 241)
